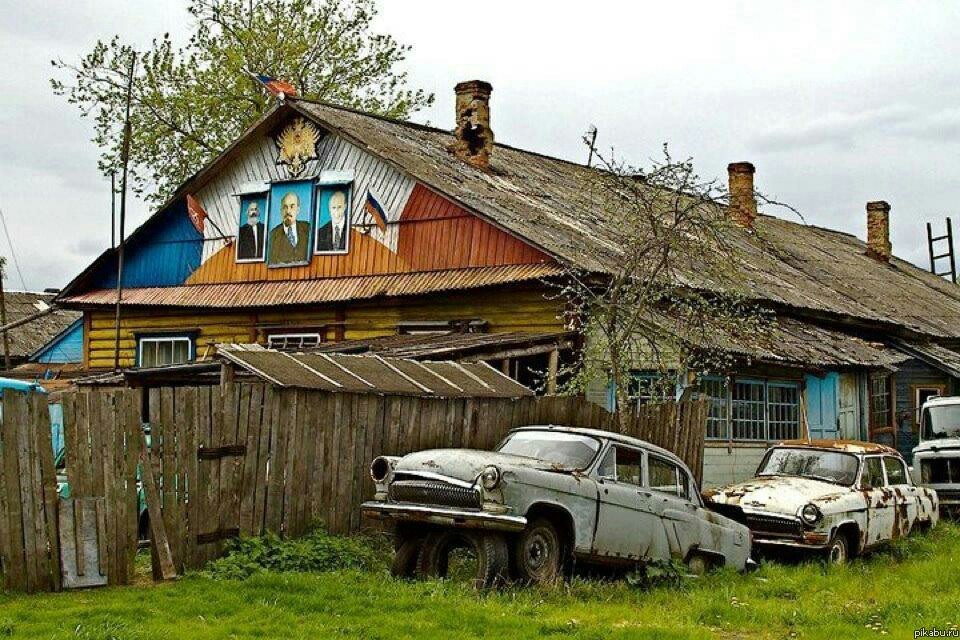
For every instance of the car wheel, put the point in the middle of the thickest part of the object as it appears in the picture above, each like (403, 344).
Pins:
(478, 557)
(405, 558)
(538, 553)
(839, 550)
(699, 565)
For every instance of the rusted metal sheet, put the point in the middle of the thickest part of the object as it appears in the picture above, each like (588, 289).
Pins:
(269, 294)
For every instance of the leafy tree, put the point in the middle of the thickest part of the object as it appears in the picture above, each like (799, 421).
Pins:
(190, 102)
(671, 297)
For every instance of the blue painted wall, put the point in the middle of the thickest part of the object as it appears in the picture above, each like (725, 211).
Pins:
(66, 347)
(164, 253)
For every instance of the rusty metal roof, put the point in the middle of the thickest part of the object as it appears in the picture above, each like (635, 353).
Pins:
(293, 292)
(845, 446)
(372, 374)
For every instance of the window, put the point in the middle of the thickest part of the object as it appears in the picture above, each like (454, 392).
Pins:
(872, 474)
(650, 386)
(749, 410)
(718, 416)
(896, 474)
(666, 477)
(162, 351)
(293, 341)
(623, 465)
(752, 410)
(783, 411)
(880, 414)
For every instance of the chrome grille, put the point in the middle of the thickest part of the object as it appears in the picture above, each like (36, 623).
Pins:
(774, 526)
(434, 492)
(940, 471)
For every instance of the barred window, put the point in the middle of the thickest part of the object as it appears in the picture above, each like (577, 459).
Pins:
(783, 411)
(752, 410)
(718, 416)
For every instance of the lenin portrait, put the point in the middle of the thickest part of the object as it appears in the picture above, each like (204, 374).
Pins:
(289, 242)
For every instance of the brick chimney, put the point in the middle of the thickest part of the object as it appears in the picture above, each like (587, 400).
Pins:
(878, 230)
(743, 202)
(474, 137)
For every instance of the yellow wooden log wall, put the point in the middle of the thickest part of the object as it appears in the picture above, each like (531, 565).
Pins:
(526, 310)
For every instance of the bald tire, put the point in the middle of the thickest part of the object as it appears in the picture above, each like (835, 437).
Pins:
(489, 547)
(405, 558)
(538, 553)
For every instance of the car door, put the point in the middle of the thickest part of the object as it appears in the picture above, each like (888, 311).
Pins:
(677, 526)
(619, 478)
(878, 501)
(904, 495)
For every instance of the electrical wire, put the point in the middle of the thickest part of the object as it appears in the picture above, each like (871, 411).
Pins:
(13, 254)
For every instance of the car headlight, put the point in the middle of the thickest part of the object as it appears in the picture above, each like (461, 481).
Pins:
(490, 478)
(380, 468)
(810, 514)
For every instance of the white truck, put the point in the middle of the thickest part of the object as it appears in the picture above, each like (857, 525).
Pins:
(936, 460)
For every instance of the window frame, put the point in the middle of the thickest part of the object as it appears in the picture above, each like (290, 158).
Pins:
(863, 472)
(189, 338)
(296, 334)
(613, 446)
(726, 421)
(903, 468)
(681, 478)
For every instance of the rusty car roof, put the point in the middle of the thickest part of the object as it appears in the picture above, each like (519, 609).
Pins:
(845, 446)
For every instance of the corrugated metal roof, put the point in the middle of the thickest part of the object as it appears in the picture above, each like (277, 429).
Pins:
(294, 292)
(372, 374)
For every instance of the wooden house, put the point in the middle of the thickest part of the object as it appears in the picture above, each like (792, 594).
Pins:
(322, 224)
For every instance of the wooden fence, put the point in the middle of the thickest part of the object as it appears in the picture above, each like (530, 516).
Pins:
(248, 458)
(29, 553)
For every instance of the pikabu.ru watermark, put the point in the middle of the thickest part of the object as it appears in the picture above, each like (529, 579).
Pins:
(951, 632)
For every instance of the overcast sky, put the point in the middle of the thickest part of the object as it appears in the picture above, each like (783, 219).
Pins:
(835, 103)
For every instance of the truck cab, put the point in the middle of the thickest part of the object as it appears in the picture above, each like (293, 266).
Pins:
(936, 460)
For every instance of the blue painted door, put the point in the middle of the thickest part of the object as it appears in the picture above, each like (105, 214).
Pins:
(822, 405)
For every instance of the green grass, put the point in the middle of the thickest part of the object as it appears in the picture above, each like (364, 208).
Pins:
(890, 594)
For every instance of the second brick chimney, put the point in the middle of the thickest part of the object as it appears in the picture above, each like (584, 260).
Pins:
(743, 200)
(878, 230)
(474, 142)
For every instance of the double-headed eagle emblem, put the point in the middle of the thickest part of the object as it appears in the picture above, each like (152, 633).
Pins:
(297, 144)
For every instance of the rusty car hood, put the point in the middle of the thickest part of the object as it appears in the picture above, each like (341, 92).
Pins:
(777, 494)
(467, 464)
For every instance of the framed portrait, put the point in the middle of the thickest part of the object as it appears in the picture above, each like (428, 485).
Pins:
(290, 237)
(333, 219)
(252, 226)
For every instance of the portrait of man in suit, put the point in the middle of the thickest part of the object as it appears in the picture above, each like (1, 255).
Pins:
(251, 240)
(290, 240)
(333, 229)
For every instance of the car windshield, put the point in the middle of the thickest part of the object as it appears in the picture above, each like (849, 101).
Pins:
(941, 421)
(566, 450)
(829, 466)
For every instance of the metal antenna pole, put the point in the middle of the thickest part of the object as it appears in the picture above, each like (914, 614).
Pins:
(125, 158)
(592, 135)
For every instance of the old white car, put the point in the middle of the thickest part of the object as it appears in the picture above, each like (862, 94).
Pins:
(837, 497)
(547, 496)
(936, 460)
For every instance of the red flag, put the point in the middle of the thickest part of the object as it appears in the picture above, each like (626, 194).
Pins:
(196, 213)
